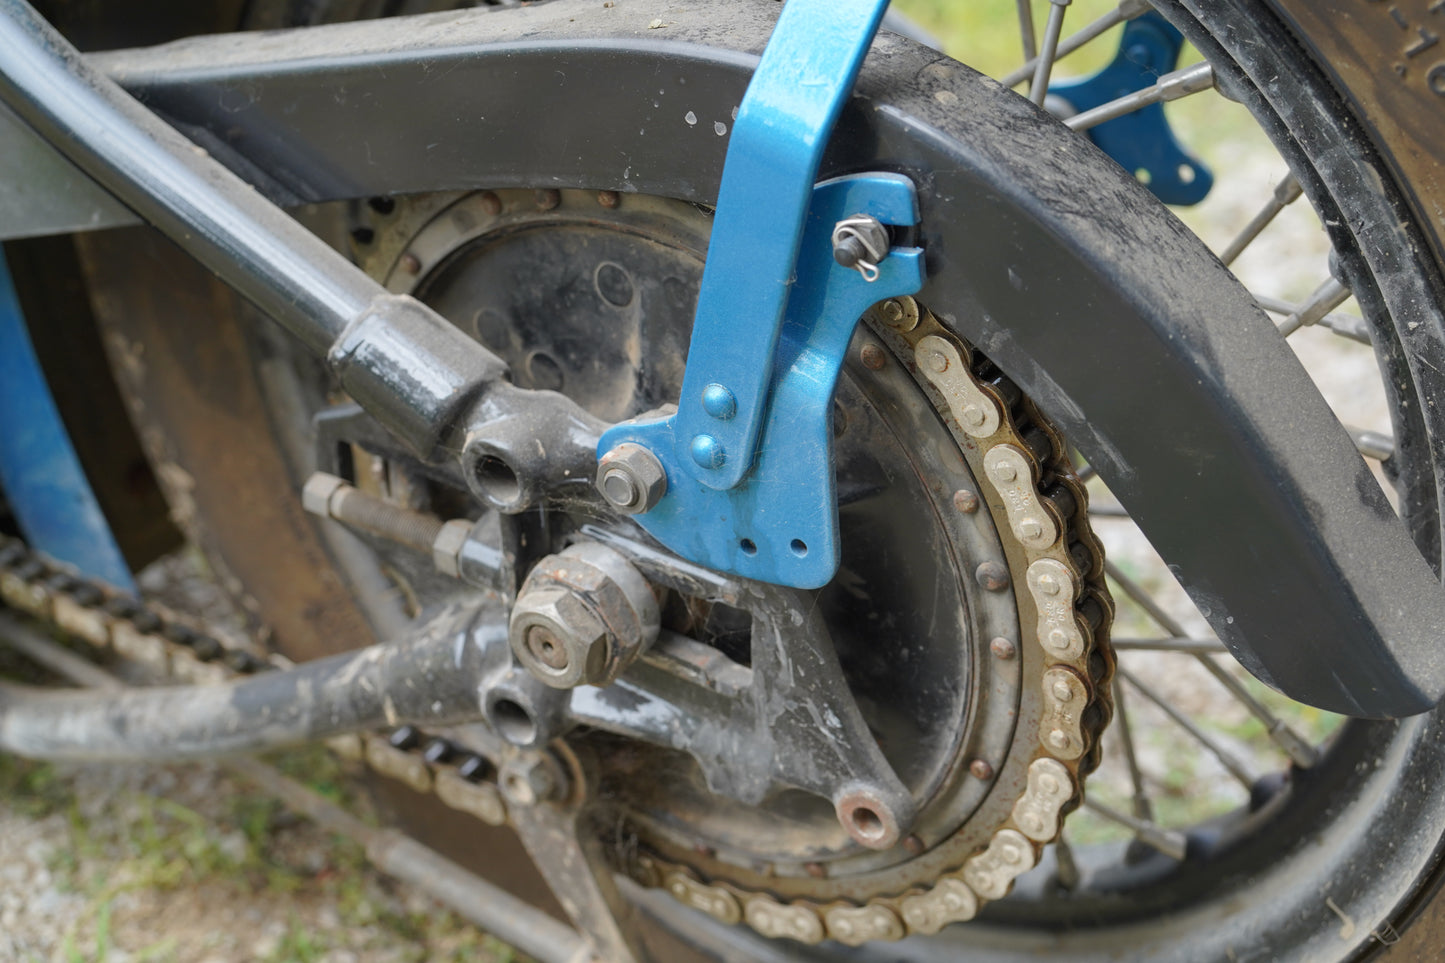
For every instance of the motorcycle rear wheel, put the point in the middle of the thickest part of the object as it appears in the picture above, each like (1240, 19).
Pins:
(212, 412)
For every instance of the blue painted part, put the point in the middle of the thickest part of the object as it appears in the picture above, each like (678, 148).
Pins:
(783, 124)
(780, 523)
(39, 471)
(1142, 141)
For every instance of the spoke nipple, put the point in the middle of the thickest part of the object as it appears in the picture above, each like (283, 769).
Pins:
(1002, 648)
(965, 501)
(873, 357)
(719, 402)
(608, 199)
(491, 203)
(980, 769)
(992, 576)
(708, 452)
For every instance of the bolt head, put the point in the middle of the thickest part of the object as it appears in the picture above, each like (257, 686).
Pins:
(965, 501)
(992, 576)
(980, 769)
(1002, 648)
(892, 311)
(631, 478)
(873, 357)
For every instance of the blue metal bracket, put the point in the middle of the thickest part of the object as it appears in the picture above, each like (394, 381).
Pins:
(1142, 141)
(40, 474)
(748, 455)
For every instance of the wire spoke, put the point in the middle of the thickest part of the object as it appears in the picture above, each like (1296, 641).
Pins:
(1127, 10)
(1143, 807)
(1176, 644)
(1286, 192)
(1345, 325)
(1227, 759)
(1171, 86)
(1026, 31)
(1044, 66)
(1280, 733)
(1170, 842)
(1328, 296)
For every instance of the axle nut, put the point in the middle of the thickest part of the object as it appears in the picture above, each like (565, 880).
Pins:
(582, 617)
(558, 638)
(631, 479)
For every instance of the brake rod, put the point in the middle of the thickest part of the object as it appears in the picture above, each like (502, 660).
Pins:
(425, 380)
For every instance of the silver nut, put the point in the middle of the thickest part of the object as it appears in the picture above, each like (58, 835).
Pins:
(631, 478)
(316, 493)
(530, 779)
(446, 548)
(558, 638)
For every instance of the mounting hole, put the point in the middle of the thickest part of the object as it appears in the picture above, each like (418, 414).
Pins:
(382, 205)
(866, 823)
(513, 723)
(799, 547)
(1143, 176)
(1186, 174)
(748, 546)
(363, 235)
(614, 285)
(543, 371)
(497, 480)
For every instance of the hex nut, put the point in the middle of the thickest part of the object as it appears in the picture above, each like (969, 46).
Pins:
(446, 548)
(563, 617)
(316, 493)
(631, 478)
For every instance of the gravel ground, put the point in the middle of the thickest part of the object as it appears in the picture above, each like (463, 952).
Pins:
(185, 863)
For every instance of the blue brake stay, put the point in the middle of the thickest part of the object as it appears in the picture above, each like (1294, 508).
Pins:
(748, 454)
